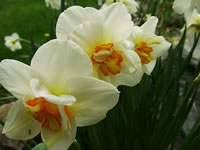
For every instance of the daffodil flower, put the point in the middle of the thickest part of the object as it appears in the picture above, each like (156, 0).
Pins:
(54, 4)
(186, 7)
(131, 5)
(102, 35)
(56, 93)
(193, 27)
(148, 46)
(13, 42)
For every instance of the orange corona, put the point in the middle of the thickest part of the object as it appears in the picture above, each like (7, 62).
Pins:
(107, 59)
(47, 113)
(144, 52)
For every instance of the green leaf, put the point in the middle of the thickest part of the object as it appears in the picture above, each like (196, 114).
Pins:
(40, 146)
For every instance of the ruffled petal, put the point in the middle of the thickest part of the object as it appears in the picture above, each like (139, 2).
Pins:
(60, 140)
(88, 36)
(41, 90)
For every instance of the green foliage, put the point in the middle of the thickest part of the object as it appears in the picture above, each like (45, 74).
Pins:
(40, 146)
(148, 116)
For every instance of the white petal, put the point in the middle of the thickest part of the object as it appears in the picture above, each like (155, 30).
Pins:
(88, 35)
(15, 76)
(15, 35)
(56, 60)
(20, 124)
(132, 6)
(71, 18)
(94, 99)
(150, 25)
(117, 21)
(62, 99)
(41, 90)
(160, 49)
(60, 140)
(181, 6)
(7, 38)
(148, 68)
(131, 73)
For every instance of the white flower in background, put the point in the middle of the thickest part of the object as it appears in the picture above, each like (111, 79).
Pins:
(186, 6)
(55, 94)
(55, 4)
(131, 5)
(13, 42)
(102, 35)
(193, 27)
(100, 2)
(148, 45)
(194, 20)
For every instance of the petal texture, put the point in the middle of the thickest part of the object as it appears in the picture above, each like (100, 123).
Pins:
(71, 18)
(117, 21)
(150, 25)
(60, 140)
(20, 125)
(62, 59)
(15, 76)
(94, 99)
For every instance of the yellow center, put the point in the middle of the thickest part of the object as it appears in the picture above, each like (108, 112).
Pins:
(13, 42)
(107, 60)
(144, 51)
(47, 113)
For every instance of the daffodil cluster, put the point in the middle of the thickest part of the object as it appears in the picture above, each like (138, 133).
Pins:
(72, 81)
(191, 11)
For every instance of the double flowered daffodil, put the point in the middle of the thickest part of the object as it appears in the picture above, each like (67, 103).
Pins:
(186, 6)
(13, 42)
(148, 45)
(55, 4)
(102, 35)
(131, 5)
(55, 94)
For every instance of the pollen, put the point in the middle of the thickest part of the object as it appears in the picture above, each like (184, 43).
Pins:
(107, 60)
(47, 113)
(144, 52)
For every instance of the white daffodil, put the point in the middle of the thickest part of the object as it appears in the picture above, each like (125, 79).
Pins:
(131, 5)
(13, 42)
(186, 6)
(55, 4)
(148, 45)
(55, 94)
(193, 27)
(101, 34)
(194, 20)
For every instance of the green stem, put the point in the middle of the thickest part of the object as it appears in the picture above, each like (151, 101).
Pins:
(26, 41)
(8, 97)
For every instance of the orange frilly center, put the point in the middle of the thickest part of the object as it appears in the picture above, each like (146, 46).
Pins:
(144, 52)
(47, 113)
(107, 60)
